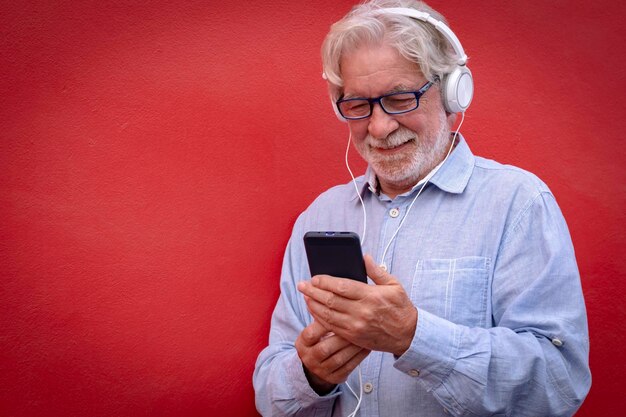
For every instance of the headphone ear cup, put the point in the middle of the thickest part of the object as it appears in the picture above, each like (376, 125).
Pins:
(332, 103)
(339, 116)
(458, 89)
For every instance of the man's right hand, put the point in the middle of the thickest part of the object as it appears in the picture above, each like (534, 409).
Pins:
(328, 359)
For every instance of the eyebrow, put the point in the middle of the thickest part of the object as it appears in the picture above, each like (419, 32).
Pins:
(400, 88)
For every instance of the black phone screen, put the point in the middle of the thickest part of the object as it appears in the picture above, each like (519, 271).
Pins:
(335, 253)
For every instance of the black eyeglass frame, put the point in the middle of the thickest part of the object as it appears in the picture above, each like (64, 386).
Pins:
(419, 93)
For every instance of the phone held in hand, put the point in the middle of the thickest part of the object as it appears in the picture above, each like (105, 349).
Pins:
(335, 253)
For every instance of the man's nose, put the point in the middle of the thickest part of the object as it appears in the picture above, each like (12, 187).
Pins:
(381, 124)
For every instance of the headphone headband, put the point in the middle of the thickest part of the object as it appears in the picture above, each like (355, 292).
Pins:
(457, 87)
(438, 24)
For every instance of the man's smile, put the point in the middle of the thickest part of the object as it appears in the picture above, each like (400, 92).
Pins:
(392, 148)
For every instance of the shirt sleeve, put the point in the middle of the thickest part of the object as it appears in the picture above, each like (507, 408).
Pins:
(534, 360)
(281, 388)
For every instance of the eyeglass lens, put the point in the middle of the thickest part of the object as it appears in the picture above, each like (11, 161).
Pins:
(394, 103)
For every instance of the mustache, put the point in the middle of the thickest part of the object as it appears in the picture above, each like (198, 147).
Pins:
(396, 138)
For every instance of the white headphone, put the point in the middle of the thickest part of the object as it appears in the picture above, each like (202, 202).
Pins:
(457, 87)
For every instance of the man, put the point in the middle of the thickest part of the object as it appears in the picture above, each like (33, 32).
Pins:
(477, 309)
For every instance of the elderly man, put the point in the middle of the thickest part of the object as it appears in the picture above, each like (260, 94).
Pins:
(474, 307)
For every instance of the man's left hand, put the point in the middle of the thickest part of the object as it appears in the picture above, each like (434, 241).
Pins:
(376, 317)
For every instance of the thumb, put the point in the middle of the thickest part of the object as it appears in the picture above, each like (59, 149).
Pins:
(376, 273)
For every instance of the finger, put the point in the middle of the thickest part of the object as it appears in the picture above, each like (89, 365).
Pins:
(328, 298)
(332, 368)
(376, 273)
(323, 323)
(310, 291)
(312, 334)
(330, 319)
(329, 347)
(346, 288)
(341, 357)
(342, 373)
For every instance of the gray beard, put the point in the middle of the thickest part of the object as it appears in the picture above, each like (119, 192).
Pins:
(406, 170)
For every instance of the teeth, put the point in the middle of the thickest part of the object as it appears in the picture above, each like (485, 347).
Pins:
(386, 148)
(395, 146)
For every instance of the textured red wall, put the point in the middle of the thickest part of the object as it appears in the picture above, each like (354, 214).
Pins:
(153, 160)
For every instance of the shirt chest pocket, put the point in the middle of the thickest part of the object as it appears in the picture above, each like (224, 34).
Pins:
(454, 289)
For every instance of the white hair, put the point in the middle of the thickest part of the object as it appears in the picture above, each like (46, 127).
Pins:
(367, 23)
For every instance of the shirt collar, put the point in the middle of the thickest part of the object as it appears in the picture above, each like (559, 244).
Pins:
(452, 176)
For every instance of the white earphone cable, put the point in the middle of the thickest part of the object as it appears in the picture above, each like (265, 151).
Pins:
(359, 397)
(356, 188)
(426, 181)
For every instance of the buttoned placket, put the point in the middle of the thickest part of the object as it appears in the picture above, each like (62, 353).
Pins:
(395, 212)
(378, 215)
(390, 214)
(370, 372)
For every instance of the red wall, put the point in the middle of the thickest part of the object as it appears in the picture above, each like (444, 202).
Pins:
(153, 160)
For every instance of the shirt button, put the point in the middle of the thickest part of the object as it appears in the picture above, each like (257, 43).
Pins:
(394, 212)
(368, 387)
(414, 372)
(557, 342)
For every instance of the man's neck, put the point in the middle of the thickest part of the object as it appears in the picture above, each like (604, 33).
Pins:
(393, 190)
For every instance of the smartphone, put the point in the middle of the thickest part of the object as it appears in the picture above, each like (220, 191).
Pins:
(335, 253)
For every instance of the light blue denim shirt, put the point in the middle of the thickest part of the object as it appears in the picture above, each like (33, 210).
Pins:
(486, 257)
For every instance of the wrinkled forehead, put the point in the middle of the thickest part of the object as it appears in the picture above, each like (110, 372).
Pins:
(377, 68)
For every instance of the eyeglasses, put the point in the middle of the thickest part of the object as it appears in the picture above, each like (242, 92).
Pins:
(394, 103)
